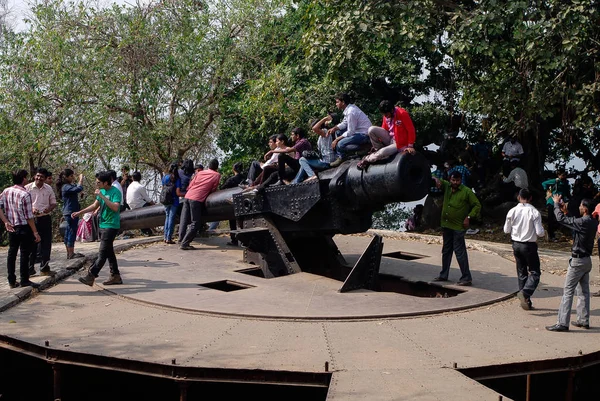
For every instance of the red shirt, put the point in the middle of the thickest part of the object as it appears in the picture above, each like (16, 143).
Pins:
(203, 184)
(404, 130)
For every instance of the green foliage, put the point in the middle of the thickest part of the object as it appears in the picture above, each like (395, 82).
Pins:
(393, 217)
(136, 84)
(534, 69)
(147, 84)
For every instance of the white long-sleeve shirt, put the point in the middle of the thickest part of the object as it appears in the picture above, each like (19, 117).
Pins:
(524, 223)
(137, 196)
(354, 122)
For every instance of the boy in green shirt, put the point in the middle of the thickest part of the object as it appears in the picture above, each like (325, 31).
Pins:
(108, 199)
(460, 204)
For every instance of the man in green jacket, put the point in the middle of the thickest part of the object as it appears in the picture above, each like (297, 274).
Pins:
(460, 205)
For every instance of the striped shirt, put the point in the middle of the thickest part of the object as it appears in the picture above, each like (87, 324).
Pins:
(17, 205)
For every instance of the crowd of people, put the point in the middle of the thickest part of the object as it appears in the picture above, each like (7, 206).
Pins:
(25, 208)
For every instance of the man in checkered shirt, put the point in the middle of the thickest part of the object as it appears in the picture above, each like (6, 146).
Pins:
(19, 221)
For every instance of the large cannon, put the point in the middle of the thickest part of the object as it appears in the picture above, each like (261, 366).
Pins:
(287, 229)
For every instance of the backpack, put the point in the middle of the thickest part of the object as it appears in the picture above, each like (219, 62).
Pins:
(166, 193)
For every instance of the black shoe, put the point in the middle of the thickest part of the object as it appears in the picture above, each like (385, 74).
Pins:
(464, 283)
(32, 271)
(29, 283)
(186, 247)
(14, 285)
(524, 300)
(557, 327)
(438, 278)
(580, 325)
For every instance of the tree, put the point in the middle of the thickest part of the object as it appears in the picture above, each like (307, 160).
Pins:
(137, 84)
(533, 68)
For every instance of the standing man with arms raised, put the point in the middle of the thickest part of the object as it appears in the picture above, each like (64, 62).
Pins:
(203, 184)
(22, 232)
(460, 205)
(578, 273)
(356, 124)
(43, 203)
(524, 224)
(108, 199)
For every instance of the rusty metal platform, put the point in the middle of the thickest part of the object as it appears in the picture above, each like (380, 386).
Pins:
(378, 346)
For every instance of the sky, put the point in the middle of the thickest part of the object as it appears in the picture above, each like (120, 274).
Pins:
(19, 9)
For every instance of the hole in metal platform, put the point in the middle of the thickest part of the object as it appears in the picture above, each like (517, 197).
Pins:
(226, 285)
(404, 255)
(253, 271)
(572, 378)
(136, 380)
(389, 283)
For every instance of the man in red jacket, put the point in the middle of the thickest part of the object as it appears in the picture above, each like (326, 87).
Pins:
(396, 134)
(203, 184)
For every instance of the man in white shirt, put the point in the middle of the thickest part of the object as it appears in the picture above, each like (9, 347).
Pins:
(511, 151)
(137, 196)
(524, 224)
(356, 125)
(43, 202)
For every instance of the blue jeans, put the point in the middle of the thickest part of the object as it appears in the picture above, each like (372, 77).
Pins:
(454, 241)
(351, 143)
(306, 168)
(170, 213)
(577, 281)
(71, 231)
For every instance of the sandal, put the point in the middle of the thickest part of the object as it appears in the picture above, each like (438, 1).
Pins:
(363, 165)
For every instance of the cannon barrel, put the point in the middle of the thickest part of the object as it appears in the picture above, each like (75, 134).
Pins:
(403, 179)
(218, 207)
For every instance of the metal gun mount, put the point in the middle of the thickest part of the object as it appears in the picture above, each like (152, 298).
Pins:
(288, 229)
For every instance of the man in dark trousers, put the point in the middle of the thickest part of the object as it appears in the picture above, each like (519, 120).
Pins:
(43, 202)
(22, 232)
(524, 224)
(460, 204)
(203, 184)
(108, 200)
(578, 273)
